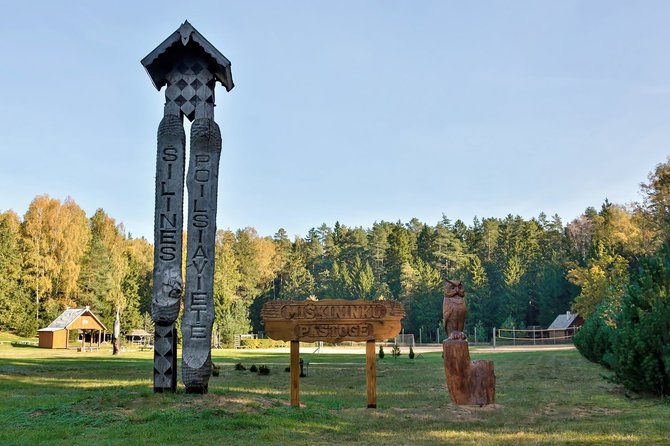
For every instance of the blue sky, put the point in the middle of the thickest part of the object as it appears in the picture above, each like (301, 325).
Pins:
(351, 110)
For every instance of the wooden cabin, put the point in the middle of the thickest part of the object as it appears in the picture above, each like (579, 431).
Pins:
(565, 325)
(57, 334)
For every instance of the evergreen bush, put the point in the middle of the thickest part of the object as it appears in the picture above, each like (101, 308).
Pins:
(263, 370)
(411, 353)
(381, 352)
(239, 366)
(594, 339)
(642, 345)
(253, 368)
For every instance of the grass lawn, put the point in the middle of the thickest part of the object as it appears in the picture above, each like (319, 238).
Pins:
(550, 397)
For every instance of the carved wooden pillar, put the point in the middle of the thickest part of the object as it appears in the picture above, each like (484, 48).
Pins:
(167, 278)
(189, 66)
(199, 305)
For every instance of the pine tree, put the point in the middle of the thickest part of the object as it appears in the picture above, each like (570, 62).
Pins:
(362, 280)
(15, 302)
(104, 268)
(398, 258)
(449, 256)
(377, 246)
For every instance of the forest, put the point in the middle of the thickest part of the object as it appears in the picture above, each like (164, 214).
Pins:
(517, 272)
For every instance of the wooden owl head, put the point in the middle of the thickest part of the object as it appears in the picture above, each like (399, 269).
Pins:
(453, 288)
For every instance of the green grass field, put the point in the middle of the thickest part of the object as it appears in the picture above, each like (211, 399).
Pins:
(550, 397)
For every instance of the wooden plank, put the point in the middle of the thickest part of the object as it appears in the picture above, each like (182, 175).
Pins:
(371, 373)
(295, 373)
(332, 320)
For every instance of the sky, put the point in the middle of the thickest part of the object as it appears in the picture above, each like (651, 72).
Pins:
(350, 111)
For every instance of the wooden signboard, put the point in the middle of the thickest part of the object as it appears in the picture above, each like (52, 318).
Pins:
(333, 320)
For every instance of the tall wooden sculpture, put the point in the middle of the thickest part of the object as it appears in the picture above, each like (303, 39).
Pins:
(189, 66)
(469, 382)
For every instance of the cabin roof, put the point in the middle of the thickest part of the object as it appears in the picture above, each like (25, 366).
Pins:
(563, 321)
(68, 317)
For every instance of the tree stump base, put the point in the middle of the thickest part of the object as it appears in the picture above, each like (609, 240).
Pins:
(470, 383)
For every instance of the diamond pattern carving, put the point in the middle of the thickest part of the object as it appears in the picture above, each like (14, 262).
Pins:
(164, 355)
(190, 86)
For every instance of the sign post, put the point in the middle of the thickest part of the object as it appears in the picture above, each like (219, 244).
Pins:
(295, 373)
(333, 320)
(371, 373)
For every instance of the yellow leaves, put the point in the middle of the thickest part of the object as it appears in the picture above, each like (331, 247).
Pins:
(268, 261)
(55, 236)
(603, 279)
(11, 220)
(142, 251)
(74, 235)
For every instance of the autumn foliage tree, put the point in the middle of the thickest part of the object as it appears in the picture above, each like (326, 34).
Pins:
(515, 269)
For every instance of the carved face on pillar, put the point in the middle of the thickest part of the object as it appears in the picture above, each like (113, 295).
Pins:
(172, 284)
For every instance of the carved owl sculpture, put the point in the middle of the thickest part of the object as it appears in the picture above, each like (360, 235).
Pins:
(453, 309)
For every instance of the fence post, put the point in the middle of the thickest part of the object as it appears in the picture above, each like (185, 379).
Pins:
(494, 337)
(419, 335)
(514, 335)
(475, 335)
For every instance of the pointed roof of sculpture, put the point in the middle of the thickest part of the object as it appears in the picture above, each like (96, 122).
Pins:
(160, 61)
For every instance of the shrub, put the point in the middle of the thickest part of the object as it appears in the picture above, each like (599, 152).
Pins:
(642, 345)
(594, 339)
(395, 351)
(239, 366)
(216, 370)
(381, 352)
(263, 370)
(411, 353)
(253, 368)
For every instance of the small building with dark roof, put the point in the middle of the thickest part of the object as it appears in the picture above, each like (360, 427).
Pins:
(57, 334)
(565, 325)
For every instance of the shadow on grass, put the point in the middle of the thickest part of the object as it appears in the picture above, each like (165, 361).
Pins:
(23, 345)
(109, 400)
